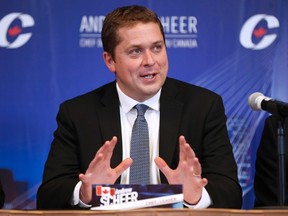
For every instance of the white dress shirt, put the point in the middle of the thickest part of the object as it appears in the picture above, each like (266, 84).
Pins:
(128, 115)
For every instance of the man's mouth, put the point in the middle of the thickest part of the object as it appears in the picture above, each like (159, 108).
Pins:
(149, 76)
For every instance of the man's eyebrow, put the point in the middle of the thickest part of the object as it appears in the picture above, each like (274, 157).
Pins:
(159, 42)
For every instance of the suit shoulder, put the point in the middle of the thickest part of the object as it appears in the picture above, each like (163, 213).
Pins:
(191, 90)
(95, 96)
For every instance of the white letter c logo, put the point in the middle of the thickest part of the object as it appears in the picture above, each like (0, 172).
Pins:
(26, 21)
(250, 25)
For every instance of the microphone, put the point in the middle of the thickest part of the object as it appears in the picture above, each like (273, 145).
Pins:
(257, 101)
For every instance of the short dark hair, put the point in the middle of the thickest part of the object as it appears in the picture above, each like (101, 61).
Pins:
(123, 17)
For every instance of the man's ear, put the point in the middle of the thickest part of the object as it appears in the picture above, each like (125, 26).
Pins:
(109, 61)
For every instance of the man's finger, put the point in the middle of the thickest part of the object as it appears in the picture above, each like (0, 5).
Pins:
(190, 154)
(182, 153)
(197, 170)
(124, 165)
(162, 165)
(107, 149)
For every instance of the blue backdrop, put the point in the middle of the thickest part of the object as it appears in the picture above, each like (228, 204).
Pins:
(50, 51)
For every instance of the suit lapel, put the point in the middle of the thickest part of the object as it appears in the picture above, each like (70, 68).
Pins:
(109, 118)
(170, 115)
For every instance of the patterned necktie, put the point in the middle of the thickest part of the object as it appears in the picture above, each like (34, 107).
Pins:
(139, 149)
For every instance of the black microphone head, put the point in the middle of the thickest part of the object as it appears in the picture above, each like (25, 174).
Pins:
(253, 100)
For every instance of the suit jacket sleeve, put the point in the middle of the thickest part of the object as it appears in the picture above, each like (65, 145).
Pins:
(61, 168)
(218, 162)
(84, 123)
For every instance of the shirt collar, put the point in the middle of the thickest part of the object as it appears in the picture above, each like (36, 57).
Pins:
(128, 103)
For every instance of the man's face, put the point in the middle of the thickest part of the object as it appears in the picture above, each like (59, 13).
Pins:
(140, 63)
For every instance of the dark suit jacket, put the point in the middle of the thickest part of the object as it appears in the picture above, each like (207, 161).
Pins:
(2, 196)
(266, 167)
(86, 122)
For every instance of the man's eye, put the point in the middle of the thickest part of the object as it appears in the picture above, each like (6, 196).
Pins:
(157, 48)
(135, 51)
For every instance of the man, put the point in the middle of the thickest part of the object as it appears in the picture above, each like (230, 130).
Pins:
(184, 121)
(266, 167)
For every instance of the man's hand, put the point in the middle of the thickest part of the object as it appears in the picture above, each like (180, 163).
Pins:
(100, 172)
(188, 173)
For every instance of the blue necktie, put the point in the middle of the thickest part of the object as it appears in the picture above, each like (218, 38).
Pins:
(139, 149)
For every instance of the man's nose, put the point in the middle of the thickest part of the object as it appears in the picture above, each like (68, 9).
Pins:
(148, 58)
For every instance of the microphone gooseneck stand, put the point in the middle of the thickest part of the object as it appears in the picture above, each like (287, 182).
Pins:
(281, 161)
(281, 151)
